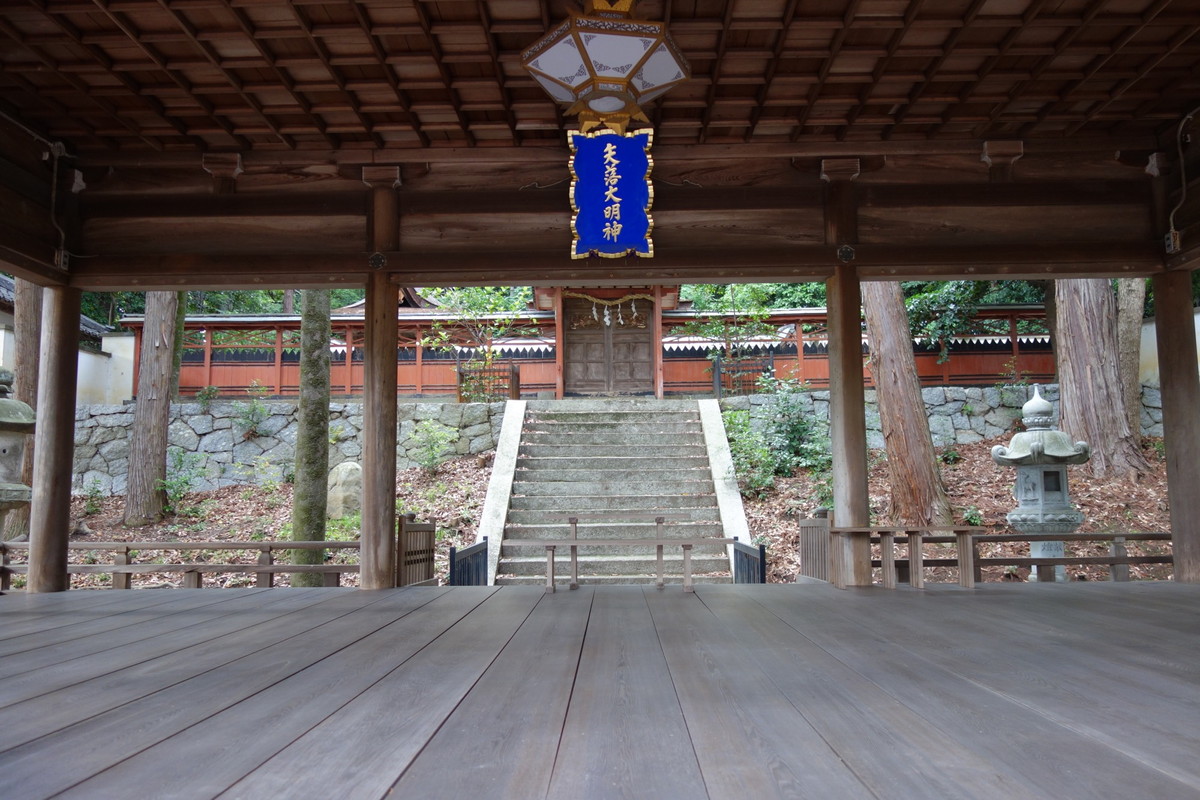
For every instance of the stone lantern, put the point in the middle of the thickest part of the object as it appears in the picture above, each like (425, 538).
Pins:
(1041, 455)
(16, 423)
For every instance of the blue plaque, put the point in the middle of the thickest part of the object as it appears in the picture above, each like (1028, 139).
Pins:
(611, 194)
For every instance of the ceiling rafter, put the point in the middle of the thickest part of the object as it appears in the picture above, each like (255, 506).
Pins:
(285, 80)
(207, 107)
(322, 52)
(108, 108)
(835, 48)
(214, 60)
(105, 62)
(402, 98)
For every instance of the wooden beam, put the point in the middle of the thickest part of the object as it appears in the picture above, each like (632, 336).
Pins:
(54, 442)
(801, 263)
(1176, 335)
(666, 197)
(378, 570)
(541, 153)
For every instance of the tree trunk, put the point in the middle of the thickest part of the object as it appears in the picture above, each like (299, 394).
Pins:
(312, 437)
(1093, 407)
(918, 496)
(289, 302)
(145, 498)
(27, 324)
(1050, 304)
(1131, 305)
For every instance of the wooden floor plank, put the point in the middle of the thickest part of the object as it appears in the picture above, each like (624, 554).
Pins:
(365, 746)
(502, 738)
(119, 630)
(23, 613)
(21, 692)
(890, 747)
(1084, 691)
(101, 741)
(1057, 760)
(295, 711)
(625, 736)
(749, 740)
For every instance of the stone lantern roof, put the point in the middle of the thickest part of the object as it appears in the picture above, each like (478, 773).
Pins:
(1039, 443)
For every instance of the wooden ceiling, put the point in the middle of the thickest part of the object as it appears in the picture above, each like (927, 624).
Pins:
(270, 74)
(932, 104)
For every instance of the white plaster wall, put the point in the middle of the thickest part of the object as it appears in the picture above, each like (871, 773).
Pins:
(1149, 362)
(104, 378)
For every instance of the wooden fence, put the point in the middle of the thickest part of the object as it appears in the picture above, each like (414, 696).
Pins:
(237, 354)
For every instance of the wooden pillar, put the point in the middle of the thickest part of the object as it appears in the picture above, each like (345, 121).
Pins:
(1180, 383)
(657, 344)
(54, 442)
(378, 559)
(847, 402)
(560, 328)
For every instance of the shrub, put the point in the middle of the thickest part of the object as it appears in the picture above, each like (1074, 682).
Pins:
(433, 440)
(182, 471)
(797, 439)
(93, 494)
(251, 414)
(754, 463)
(206, 396)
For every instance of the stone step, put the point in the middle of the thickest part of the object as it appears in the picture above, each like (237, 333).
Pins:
(623, 564)
(587, 504)
(625, 463)
(583, 451)
(614, 488)
(663, 442)
(607, 580)
(674, 428)
(605, 405)
(561, 529)
(550, 516)
(648, 472)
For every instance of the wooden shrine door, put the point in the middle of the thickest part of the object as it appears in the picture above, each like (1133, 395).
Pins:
(610, 356)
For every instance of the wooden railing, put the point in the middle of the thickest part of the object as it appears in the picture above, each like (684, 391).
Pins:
(468, 567)
(484, 384)
(749, 562)
(123, 566)
(415, 547)
(966, 559)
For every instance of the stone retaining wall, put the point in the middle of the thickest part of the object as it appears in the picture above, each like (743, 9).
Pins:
(957, 415)
(224, 455)
(215, 439)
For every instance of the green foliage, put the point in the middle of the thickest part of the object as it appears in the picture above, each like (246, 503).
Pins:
(950, 456)
(744, 309)
(482, 315)
(753, 462)
(183, 469)
(249, 415)
(798, 440)
(973, 516)
(344, 529)
(433, 440)
(206, 396)
(93, 495)
(940, 310)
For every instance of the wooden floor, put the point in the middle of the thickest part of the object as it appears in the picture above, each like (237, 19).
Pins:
(746, 692)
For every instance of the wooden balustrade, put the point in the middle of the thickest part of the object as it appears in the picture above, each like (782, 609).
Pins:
(123, 566)
(966, 559)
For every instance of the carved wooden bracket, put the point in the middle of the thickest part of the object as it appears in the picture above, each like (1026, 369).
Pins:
(224, 168)
(1000, 157)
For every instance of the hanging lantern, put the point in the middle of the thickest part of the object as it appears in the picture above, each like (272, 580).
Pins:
(606, 65)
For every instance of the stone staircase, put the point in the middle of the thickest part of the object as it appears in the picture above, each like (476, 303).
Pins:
(616, 465)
